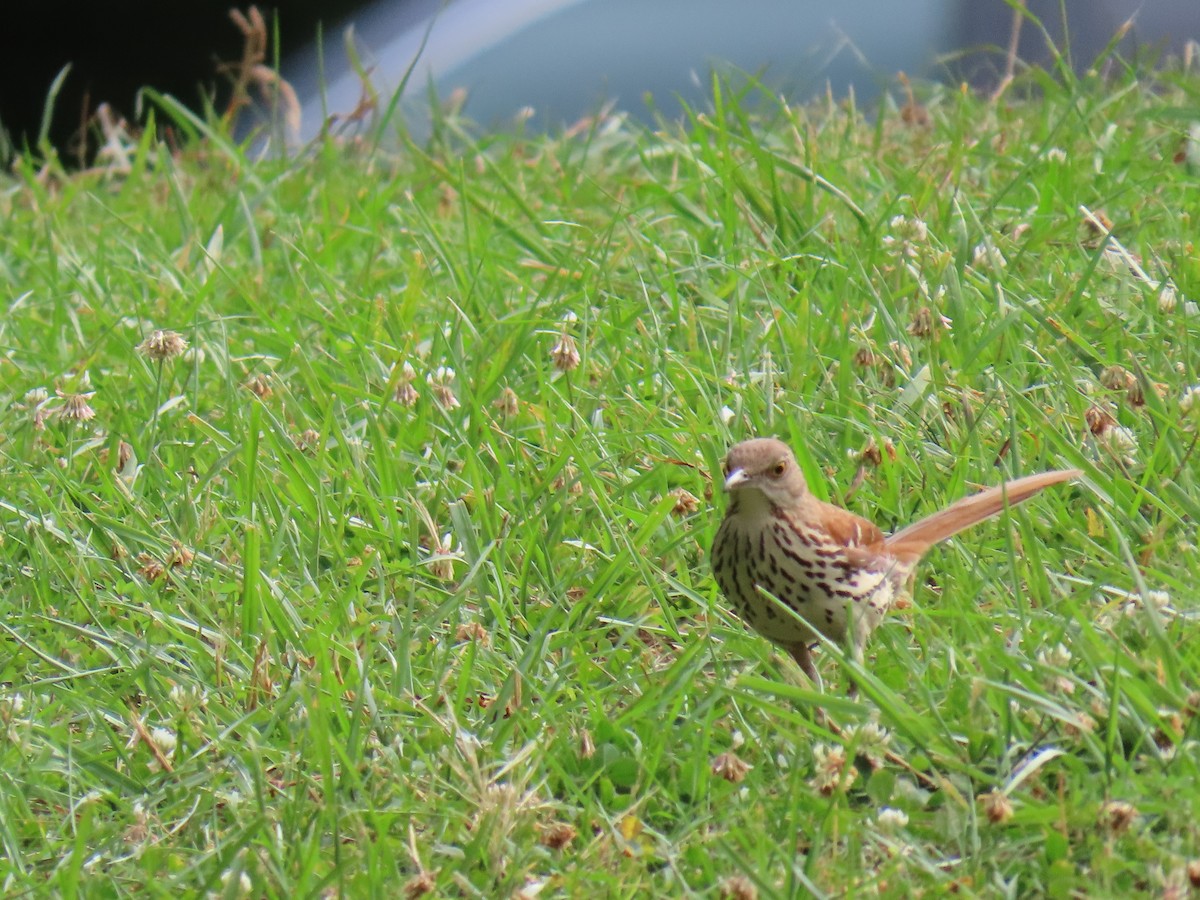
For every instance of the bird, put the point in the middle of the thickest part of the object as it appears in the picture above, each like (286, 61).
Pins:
(793, 566)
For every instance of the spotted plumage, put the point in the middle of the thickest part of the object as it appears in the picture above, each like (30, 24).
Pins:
(792, 565)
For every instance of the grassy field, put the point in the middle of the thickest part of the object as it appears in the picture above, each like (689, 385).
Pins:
(384, 570)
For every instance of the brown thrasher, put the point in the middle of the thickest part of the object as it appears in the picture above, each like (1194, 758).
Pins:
(793, 565)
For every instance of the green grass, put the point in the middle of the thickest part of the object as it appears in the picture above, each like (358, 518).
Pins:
(441, 639)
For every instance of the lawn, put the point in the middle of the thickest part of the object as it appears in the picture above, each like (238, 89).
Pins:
(356, 506)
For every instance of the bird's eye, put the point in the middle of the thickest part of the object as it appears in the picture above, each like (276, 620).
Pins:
(779, 468)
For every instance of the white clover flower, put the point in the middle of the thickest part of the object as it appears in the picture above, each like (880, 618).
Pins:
(244, 884)
(443, 557)
(869, 740)
(1157, 599)
(1058, 656)
(1121, 439)
(1190, 401)
(165, 740)
(441, 384)
(405, 394)
(907, 234)
(832, 769)
(986, 254)
(890, 819)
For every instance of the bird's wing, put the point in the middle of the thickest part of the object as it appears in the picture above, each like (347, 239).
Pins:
(848, 529)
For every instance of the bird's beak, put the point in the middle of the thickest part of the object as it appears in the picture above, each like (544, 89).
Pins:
(736, 479)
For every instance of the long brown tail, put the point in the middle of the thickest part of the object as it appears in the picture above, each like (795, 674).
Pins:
(911, 543)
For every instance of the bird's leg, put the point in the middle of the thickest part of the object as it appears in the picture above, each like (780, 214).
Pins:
(803, 657)
(858, 654)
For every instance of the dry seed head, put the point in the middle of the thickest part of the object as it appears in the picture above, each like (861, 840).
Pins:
(507, 404)
(738, 887)
(558, 835)
(927, 323)
(163, 345)
(568, 478)
(472, 631)
(405, 394)
(1081, 725)
(308, 441)
(915, 114)
(260, 386)
(181, 557)
(419, 885)
(124, 455)
(1099, 422)
(1117, 378)
(1191, 706)
(565, 354)
(445, 397)
(731, 767)
(1116, 816)
(996, 806)
(900, 354)
(1098, 222)
(1193, 873)
(686, 502)
(865, 358)
(441, 382)
(76, 408)
(151, 569)
(587, 745)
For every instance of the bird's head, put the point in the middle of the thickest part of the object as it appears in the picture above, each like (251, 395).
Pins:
(767, 466)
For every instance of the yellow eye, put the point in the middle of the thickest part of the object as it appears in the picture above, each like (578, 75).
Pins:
(779, 468)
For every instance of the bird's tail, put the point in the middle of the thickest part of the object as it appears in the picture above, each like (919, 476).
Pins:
(911, 543)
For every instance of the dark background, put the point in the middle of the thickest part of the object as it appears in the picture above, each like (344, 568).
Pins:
(117, 48)
(175, 46)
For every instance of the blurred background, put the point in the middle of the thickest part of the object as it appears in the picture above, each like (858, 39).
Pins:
(562, 59)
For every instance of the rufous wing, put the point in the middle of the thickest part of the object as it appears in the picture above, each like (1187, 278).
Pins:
(911, 543)
(844, 527)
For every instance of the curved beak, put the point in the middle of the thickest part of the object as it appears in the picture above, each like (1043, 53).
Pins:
(736, 479)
